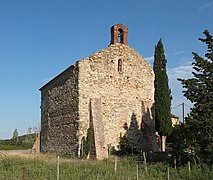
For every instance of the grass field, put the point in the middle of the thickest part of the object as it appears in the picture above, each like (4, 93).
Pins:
(40, 166)
(24, 142)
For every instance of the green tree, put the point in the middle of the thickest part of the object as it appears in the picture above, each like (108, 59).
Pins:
(15, 135)
(199, 90)
(178, 139)
(162, 95)
(125, 148)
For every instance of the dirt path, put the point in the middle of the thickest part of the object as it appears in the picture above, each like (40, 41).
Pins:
(21, 153)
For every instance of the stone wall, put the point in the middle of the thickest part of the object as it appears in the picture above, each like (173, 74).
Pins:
(59, 113)
(122, 80)
(106, 91)
(36, 145)
(97, 124)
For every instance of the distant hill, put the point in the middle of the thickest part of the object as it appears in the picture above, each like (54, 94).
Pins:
(22, 142)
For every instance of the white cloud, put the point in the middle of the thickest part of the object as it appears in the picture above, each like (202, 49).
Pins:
(150, 59)
(179, 53)
(206, 6)
(183, 72)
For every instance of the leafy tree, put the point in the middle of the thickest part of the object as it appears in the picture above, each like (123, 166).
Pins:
(15, 135)
(29, 131)
(178, 139)
(199, 90)
(162, 95)
(125, 148)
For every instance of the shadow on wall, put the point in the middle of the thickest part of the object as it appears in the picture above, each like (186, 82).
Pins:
(139, 138)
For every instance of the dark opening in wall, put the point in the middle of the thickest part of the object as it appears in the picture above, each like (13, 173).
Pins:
(120, 35)
(120, 65)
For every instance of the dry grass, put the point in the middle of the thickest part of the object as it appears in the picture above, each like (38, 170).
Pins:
(43, 166)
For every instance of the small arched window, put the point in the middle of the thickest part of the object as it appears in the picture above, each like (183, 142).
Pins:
(120, 35)
(120, 65)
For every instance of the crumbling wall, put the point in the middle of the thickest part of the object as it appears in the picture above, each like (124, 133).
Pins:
(117, 75)
(97, 125)
(122, 79)
(59, 113)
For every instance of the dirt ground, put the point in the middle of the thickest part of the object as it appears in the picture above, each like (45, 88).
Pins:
(29, 154)
(22, 153)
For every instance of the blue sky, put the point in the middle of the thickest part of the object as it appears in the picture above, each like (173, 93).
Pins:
(40, 38)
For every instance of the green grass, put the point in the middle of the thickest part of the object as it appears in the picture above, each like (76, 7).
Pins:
(24, 142)
(13, 147)
(44, 167)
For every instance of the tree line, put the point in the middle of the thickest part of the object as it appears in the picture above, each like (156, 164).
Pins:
(20, 142)
(191, 140)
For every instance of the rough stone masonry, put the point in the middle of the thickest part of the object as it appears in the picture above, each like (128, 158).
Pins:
(104, 92)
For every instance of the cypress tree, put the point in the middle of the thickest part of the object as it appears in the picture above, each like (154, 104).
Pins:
(162, 94)
(199, 90)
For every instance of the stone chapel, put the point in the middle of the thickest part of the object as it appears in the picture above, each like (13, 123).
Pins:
(105, 91)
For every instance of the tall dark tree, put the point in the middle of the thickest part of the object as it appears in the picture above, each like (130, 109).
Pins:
(199, 90)
(162, 95)
(15, 136)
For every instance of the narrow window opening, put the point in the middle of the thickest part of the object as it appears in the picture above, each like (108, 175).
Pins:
(119, 65)
(120, 35)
